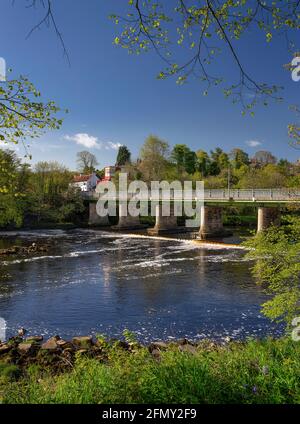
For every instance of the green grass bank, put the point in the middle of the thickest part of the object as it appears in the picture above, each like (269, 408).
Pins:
(256, 371)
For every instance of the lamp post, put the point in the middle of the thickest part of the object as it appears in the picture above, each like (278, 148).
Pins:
(229, 181)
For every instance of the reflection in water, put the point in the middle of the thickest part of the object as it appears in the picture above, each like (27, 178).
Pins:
(100, 282)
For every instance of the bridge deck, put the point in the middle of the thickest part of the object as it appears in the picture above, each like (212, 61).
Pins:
(278, 195)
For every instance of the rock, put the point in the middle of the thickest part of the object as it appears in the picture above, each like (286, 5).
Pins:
(26, 347)
(33, 248)
(265, 370)
(158, 345)
(155, 353)
(183, 341)
(4, 348)
(64, 344)
(69, 349)
(82, 351)
(123, 345)
(83, 341)
(34, 339)
(188, 349)
(227, 339)
(22, 332)
(51, 344)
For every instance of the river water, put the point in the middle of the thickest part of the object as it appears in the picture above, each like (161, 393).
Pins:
(93, 282)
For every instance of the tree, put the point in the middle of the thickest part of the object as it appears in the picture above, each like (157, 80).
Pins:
(277, 269)
(219, 161)
(184, 158)
(177, 155)
(153, 156)
(86, 162)
(239, 158)
(200, 30)
(263, 157)
(190, 162)
(22, 115)
(124, 156)
(100, 173)
(51, 178)
(11, 189)
(51, 199)
(203, 162)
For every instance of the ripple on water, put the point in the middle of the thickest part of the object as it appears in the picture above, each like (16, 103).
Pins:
(97, 281)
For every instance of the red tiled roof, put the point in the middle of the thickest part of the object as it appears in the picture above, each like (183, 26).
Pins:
(81, 178)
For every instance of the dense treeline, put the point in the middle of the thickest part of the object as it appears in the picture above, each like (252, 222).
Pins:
(38, 195)
(217, 168)
(42, 194)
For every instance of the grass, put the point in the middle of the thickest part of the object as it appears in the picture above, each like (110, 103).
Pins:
(266, 371)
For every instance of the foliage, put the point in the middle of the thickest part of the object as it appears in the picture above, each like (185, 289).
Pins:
(294, 128)
(100, 173)
(40, 196)
(184, 158)
(269, 176)
(220, 161)
(277, 268)
(153, 156)
(239, 158)
(23, 115)
(216, 168)
(188, 36)
(123, 156)
(11, 188)
(50, 199)
(9, 372)
(203, 162)
(263, 157)
(86, 162)
(259, 371)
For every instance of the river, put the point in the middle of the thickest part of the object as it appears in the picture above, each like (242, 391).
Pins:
(92, 282)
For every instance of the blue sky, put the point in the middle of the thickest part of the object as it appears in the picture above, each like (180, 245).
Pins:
(114, 98)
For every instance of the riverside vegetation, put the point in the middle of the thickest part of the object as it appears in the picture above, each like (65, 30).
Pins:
(255, 371)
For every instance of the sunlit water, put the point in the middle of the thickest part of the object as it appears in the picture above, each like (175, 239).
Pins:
(99, 282)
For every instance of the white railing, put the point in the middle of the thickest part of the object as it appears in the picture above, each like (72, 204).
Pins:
(273, 194)
(237, 195)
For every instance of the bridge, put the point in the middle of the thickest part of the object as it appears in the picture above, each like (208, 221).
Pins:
(267, 202)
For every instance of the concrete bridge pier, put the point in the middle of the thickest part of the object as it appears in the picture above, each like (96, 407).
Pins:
(211, 222)
(94, 218)
(126, 221)
(164, 224)
(266, 217)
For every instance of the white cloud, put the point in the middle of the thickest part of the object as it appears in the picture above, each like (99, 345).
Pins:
(111, 145)
(84, 139)
(91, 142)
(253, 143)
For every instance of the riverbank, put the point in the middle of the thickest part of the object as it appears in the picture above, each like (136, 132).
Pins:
(102, 371)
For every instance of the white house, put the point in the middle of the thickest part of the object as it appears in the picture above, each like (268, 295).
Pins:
(85, 182)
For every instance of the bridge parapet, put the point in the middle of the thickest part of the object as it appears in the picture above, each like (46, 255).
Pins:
(280, 195)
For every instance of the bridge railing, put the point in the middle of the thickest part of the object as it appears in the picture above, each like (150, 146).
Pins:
(277, 194)
(252, 195)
